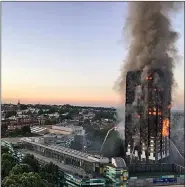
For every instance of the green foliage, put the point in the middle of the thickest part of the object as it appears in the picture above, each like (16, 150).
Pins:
(13, 133)
(26, 130)
(62, 117)
(48, 122)
(7, 156)
(63, 110)
(104, 115)
(74, 111)
(52, 110)
(4, 149)
(40, 112)
(20, 169)
(25, 180)
(49, 172)
(7, 163)
(23, 107)
(10, 114)
(32, 161)
(14, 174)
(4, 128)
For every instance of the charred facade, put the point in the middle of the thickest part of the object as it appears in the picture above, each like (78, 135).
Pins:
(147, 120)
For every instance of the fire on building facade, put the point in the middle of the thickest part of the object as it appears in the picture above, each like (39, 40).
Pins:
(147, 120)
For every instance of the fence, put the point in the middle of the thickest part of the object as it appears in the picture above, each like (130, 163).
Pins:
(149, 182)
(136, 168)
(178, 169)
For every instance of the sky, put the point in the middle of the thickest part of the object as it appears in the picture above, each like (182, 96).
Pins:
(69, 52)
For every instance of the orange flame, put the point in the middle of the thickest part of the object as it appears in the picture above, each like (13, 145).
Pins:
(165, 129)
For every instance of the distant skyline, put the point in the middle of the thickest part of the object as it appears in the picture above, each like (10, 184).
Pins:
(69, 52)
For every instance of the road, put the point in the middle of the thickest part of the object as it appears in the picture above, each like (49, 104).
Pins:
(11, 140)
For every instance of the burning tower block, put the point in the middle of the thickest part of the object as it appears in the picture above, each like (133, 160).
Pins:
(147, 120)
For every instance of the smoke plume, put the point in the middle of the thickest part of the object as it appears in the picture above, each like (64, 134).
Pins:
(121, 121)
(152, 52)
(152, 43)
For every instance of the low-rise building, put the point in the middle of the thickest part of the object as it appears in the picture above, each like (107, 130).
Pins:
(70, 129)
(117, 173)
(39, 130)
(77, 181)
(56, 115)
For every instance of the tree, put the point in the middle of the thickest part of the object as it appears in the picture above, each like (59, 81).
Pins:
(15, 132)
(25, 180)
(7, 163)
(52, 110)
(48, 122)
(74, 111)
(4, 127)
(23, 107)
(40, 112)
(26, 130)
(29, 113)
(32, 161)
(8, 156)
(10, 113)
(4, 149)
(50, 172)
(104, 114)
(20, 169)
(63, 110)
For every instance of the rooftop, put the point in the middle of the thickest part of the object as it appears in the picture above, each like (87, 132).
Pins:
(64, 167)
(37, 129)
(64, 150)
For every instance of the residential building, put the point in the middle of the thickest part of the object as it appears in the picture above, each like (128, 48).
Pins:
(147, 120)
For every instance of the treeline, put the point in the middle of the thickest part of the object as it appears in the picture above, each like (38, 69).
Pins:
(28, 173)
(24, 131)
(66, 106)
(104, 115)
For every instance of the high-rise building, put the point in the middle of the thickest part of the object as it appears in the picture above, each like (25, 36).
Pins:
(147, 120)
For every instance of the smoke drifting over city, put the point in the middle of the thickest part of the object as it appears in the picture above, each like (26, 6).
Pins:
(152, 46)
(152, 43)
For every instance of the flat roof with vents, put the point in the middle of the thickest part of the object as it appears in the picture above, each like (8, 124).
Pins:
(37, 129)
(64, 150)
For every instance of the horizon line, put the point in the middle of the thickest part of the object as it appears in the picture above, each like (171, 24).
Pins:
(97, 106)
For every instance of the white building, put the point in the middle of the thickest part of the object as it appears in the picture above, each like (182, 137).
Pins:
(71, 129)
(56, 115)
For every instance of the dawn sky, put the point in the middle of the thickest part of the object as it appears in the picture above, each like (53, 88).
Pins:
(68, 52)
